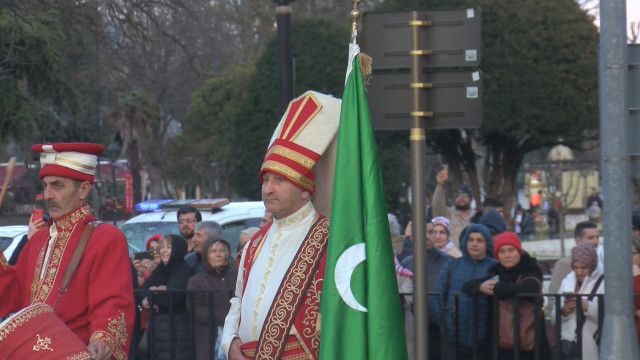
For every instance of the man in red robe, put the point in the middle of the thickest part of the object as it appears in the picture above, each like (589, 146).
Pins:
(98, 302)
(275, 312)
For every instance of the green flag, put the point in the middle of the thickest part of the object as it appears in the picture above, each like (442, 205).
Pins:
(360, 306)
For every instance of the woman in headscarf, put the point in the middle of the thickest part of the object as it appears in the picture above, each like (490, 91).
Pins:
(168, 321)
(515, 273)
(441, 236)
(586, 278)
(477, 250)
(213, 290)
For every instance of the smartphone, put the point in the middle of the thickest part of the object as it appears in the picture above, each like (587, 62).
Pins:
(496, 278)
(143, 255)
(36, 214)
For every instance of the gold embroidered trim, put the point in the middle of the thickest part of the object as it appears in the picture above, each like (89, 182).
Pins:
(22, 317)
(301, 159)
(42, 344)
(294, 218)
(289, 346)
(117, 336)
(118, 327)
(312, 316)
(81, 356)
(288, 172)
(111, 342)
(3, 261)
(41, 288)
(291, 220)
(263, 283)
(283, 311)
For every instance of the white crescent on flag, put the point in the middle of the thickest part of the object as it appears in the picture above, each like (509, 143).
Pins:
(345, 266)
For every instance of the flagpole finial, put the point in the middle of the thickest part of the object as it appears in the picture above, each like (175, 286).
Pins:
(355, 15)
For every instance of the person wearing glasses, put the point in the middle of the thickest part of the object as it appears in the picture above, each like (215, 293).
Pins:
(187, 218)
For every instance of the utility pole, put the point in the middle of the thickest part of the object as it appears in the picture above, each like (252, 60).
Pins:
(618, 335)
(285, 61)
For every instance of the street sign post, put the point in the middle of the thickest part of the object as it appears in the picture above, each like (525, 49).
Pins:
(424, 77)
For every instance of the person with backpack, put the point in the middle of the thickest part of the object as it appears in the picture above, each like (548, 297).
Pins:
(477, 249)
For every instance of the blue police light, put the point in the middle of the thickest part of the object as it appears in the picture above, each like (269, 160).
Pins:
(151, 205)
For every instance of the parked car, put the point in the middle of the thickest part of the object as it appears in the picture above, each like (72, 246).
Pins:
(10, 236)
(162, 218)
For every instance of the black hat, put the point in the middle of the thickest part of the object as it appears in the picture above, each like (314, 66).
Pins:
(464, 189)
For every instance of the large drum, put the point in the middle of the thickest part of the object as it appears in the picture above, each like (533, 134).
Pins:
(36, 332)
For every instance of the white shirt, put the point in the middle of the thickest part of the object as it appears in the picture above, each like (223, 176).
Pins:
(569, 323)
(284, 238)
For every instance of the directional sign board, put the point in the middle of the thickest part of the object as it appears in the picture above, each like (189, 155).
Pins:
(454, 99)
(453, 38)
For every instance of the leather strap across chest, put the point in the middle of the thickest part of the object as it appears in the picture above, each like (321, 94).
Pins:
(75, 258)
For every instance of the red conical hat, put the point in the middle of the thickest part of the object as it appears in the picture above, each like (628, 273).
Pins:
(303, 135)
(36, 332)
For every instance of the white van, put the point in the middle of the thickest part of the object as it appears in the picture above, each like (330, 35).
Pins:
(162, 218)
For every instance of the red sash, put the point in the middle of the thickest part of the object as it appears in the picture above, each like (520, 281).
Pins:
(297, 301)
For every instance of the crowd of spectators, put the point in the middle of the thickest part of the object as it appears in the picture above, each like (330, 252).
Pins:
(472, 280)
(184, 283)
(477, 278)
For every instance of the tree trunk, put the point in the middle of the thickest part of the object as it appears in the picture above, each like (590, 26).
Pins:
(135, 167)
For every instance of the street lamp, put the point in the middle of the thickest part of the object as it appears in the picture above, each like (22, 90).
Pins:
(113, 151)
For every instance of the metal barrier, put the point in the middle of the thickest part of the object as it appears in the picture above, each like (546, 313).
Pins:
(547, 329)
(177, 310)
(171, 332)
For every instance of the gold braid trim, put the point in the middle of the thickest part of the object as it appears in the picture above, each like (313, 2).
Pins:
(106, 338)
(291, 293)
(22, 317)
(291, 174)
(81, 356)
(41, 288)
(116, 338)
(301, 159)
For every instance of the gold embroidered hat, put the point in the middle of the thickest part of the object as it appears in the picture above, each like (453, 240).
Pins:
(71, 160)
(36, 332)
(305, 131)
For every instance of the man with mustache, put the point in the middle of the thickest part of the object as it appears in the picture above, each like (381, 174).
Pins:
(97, 305)
(282, 267)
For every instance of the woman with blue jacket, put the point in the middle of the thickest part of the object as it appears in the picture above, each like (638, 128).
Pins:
(477, 249)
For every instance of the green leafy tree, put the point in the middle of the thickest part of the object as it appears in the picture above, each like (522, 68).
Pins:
(319, 48)
(40, 41)
(202, 155)
(540, 83)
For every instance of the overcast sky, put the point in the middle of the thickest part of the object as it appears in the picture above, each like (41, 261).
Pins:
(633, 10)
